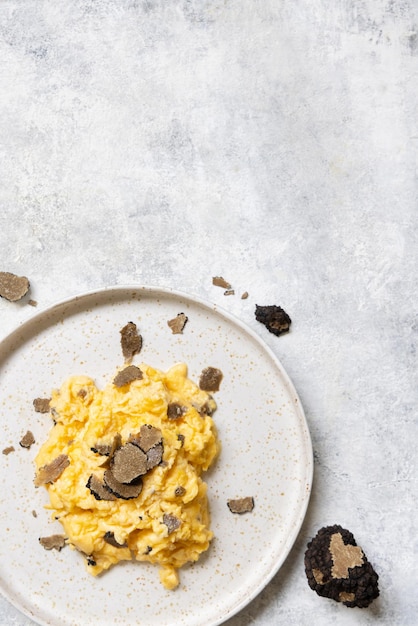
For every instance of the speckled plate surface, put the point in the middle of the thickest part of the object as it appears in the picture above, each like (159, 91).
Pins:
(266, 453)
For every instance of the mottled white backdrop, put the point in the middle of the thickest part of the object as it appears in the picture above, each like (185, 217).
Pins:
(273, 142)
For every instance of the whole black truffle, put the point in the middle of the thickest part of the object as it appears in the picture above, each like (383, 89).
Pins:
(337, 568)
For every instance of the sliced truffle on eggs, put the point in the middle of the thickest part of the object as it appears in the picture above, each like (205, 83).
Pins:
(52, 471)
(148, 437)
(121, 490)
(127, 376)
(108, 450)
(98, 489)
(128, 463)
(154, 456)
(131, 341)
(175, 410)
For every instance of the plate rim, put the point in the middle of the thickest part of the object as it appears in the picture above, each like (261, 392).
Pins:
(154, 290)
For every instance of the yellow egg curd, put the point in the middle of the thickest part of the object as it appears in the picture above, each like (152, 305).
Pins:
(168, 522)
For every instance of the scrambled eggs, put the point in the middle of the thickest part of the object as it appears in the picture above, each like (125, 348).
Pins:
(168, 522)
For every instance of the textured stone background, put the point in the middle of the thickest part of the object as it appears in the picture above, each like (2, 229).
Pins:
(270, 141)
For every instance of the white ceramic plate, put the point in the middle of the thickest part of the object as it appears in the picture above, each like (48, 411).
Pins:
(266, 453)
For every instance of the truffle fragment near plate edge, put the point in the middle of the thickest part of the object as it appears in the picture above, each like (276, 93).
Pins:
(274, 318)
(337, 568)
(178, 323)
(13, 287)
(130, 340)
(219, 281)
(241, 505)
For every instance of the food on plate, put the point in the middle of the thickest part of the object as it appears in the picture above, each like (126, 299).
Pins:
(274, 318)
(178, 323)
(8, 450)
(244, 296)
(241, 505)
(219, 281)
(13, 287)
(210, 379)
(53, 542)
(123, 468)
(229, 292)
(130, 341)
(27, 440)
(337, 568)
(41, 405)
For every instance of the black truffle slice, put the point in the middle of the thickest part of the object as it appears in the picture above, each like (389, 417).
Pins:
(13, 287)
(50, 472)
(175, 410)
(154, 456)
(120, 490)
(130, 340)
(53, 542)
(27, 440)
(178, 323)
(337, 568)
(241, 505)
(274, 318)
(109, 537)
(147, 438)
(99, 489)
(127, 375)
(172, 522)
(128, 463)
(210, 379)
(41, 405)
(179, 491)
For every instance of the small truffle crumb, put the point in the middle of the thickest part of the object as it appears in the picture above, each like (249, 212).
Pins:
(274, 318)
(27, 440)
(244, 295)
(32, 302)
(210, 379)
(218, 281)
(172, 522)
(8, 450)
(131, 341)
(229, 292)
(179, 491)
(109, 537)
(13, 287)
(82, 393)
(50, 472)
(127, 375)
(178, 323)
(34, 513)
(241, 505)
(41, 405)
(54, 542)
